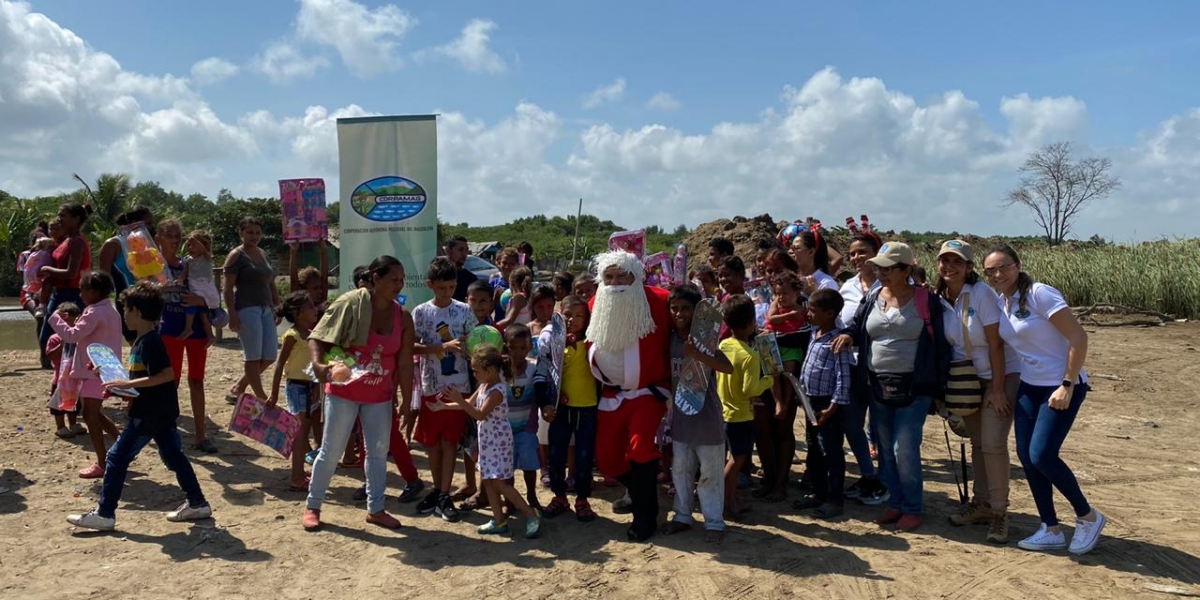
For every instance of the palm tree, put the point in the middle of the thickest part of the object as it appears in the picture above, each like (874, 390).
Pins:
(110, 198)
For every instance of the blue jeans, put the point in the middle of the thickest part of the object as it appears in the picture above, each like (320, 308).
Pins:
(340, 415)
(259, 341)
(133, 439)
(900, 431)
(709, 460)
(1040, 432)
(582, 423)
(854, 417)
(57, 297)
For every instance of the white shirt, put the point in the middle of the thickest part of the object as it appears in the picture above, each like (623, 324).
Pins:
(1042, 348)
(439, 325)
(852, 294)
(983, 312)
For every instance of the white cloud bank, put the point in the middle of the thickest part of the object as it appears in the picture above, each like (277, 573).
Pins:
(829, 147)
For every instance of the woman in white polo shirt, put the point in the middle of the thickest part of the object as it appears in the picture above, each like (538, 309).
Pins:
(1040, 326)
(971, 305)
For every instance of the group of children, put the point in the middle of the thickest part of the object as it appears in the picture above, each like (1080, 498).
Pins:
(497, 408)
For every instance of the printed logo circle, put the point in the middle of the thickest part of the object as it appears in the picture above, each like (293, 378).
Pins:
(389, 199)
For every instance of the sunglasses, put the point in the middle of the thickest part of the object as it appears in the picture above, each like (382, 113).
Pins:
(994, 271)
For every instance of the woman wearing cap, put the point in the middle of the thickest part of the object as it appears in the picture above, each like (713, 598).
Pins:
(899, 332)
(973, 306)
(1052, 345)
(868, 489)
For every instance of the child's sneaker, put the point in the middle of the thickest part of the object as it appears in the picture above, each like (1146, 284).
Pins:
(78, 429)
(445, 509)
(493, 528)
(1043, 540)
(1087, 533)
(39, 312)
(411, 491)
(65, 433)
(311, 457)
(874, 493)
(93, 520)
(187, 512)
(93, 472)
(429, 503)
(623, 505)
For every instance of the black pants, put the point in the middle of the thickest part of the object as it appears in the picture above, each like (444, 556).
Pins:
(825, 461)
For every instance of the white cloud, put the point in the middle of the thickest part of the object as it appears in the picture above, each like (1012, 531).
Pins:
(367, 40)
(283, 63)
(605, 95)
(213, 70)
(471, 48)
(829, 147)
(664, 101)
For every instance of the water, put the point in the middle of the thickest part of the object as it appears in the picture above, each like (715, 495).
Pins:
(16, 328)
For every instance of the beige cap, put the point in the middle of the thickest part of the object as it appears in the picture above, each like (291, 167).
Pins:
(959, 247)
(892, 254)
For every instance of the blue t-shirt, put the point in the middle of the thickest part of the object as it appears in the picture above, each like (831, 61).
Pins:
(522, 405)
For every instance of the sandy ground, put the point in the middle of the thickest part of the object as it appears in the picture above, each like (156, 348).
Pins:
(1133, 449)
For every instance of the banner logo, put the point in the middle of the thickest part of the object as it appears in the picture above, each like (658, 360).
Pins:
(388, 199)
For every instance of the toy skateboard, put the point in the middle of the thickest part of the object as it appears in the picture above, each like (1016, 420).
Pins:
(694, 375)
(109, 368)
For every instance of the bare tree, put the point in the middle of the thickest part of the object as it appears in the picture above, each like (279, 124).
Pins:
(1057, 189)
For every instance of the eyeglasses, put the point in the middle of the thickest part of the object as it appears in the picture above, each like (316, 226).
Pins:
(994, 271)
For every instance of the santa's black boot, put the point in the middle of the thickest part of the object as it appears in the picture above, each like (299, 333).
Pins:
(643, 478)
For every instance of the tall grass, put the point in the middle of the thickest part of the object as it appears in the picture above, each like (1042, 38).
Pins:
(1162, 276)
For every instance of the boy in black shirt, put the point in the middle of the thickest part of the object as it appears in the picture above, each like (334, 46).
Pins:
(152, 416)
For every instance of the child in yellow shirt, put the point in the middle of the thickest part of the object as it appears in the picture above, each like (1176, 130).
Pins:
(736, 391)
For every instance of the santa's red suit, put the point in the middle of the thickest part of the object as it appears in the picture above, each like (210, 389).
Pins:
(636, 387)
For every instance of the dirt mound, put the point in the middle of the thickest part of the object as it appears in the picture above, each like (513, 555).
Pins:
(743, 232)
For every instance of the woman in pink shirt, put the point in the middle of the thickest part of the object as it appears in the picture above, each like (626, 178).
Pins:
(382, 349)
(99, 324)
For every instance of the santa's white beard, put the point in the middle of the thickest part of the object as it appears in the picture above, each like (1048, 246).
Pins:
(620, 317)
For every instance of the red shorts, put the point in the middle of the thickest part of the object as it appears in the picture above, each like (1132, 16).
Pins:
(439, 426)
(197, 357)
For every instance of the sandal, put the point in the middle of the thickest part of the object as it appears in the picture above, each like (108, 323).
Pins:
(533, 527)
(556, 507)
(584, 512)
(671, 527)
(828, 510)
(477, 502)
(493, 528)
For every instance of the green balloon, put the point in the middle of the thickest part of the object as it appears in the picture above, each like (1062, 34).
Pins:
(484, 335)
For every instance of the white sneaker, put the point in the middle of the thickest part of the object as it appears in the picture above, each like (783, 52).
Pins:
(92, 520)
(1043, 540)
(1087, 533)
(186, 512)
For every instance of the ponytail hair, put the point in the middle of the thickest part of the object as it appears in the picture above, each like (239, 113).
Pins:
(488, 357)
(81, 212)
(811, 238)
(1024, 281)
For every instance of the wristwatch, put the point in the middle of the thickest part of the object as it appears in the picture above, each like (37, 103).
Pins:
(1067, 383)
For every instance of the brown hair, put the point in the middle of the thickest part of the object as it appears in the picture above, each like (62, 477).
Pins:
(1024, 281)
(205, 240)
(487, 357)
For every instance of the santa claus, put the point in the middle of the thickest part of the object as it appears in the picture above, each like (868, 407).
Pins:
(629, 352)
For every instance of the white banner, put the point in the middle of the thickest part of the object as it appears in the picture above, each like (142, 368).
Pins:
(389, 197)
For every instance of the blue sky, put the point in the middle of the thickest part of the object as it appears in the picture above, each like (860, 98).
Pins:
(655, 112)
